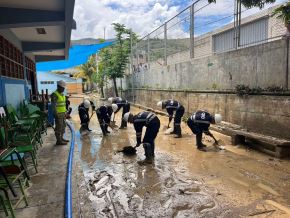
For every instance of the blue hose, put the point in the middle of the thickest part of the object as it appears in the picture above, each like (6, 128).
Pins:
(68, 191)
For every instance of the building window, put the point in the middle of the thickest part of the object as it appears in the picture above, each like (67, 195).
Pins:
(252, 33)
(46, 82)
(11, 60)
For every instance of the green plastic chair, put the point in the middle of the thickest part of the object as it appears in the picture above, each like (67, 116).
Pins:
(13, 176)
(23, 145)
(24, 130)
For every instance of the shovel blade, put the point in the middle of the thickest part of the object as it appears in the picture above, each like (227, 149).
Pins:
(219, 144)
(168, 131)
(128, 150)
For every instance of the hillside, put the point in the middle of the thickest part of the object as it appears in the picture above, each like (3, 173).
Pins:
(87, 41)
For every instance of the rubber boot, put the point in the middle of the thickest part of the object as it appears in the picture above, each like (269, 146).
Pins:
(106, 128)
(59, 140)
(178, 131)
(173, 131)
(103, 128)
(123, 125)
(86, 126)
(65, 140)
(199, 144)
(148, 154)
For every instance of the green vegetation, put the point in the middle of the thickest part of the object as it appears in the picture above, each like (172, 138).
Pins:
(244, 90)
(115, 58)
(112, 60)
(87, 71)
(251, 3)
(283, 13)
(157, 47)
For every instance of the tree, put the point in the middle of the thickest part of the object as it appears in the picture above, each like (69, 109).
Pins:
(101, 40)
(117, 56)
(283, 13)
(103, 66)
(87, 70)
(251, 3)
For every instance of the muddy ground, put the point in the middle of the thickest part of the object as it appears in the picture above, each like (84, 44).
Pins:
(182, 182)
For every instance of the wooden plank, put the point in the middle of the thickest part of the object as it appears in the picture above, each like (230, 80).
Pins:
(263, 138)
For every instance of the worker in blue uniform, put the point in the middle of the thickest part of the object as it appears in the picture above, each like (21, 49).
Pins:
(199, 123)
(104, 114)
(172, 107)
(152, 123)
(122, 104)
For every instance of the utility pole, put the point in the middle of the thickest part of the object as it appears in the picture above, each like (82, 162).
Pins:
(237, 23)
(131, 65)
(104, 33)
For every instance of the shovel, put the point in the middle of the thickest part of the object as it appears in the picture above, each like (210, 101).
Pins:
(216, 142)
(113, 122)
(168, 131)
(128, 150)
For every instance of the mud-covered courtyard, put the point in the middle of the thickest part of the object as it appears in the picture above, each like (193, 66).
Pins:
(183, 181)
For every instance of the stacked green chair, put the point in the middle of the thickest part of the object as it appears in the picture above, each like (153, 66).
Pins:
(30, 124)
(29, 111)
(13, 175)
(24, 135)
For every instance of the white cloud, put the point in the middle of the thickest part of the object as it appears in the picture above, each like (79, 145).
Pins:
(92, 16)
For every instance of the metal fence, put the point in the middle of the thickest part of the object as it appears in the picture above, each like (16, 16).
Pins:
(204, 29)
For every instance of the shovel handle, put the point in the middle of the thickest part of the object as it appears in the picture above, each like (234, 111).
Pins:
(137, 146)
(211, 135)
(91, 116)
(114, 117)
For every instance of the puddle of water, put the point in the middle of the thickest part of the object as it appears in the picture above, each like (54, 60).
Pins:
(180, 176)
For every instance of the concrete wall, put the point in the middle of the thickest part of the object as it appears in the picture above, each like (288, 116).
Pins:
(263, 114)
(13, 91)
(257, 66)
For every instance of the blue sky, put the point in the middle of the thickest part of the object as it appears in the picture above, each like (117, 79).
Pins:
(143, 16)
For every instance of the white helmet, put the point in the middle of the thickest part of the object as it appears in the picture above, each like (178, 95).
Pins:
(217, 118)
(160, 103)
(126, 116)
(87, 103)
(61, 83)
(110, 100)
(114, 107)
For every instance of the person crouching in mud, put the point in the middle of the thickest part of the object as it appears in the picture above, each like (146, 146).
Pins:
(152, 122)
(172, 107)
(84, 114)
(104, 114)
(121, 103)
(199, 122)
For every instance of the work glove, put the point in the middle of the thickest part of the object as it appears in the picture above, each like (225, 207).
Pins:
(137, 145)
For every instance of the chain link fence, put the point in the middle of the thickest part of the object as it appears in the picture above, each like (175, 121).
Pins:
(204, 29)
